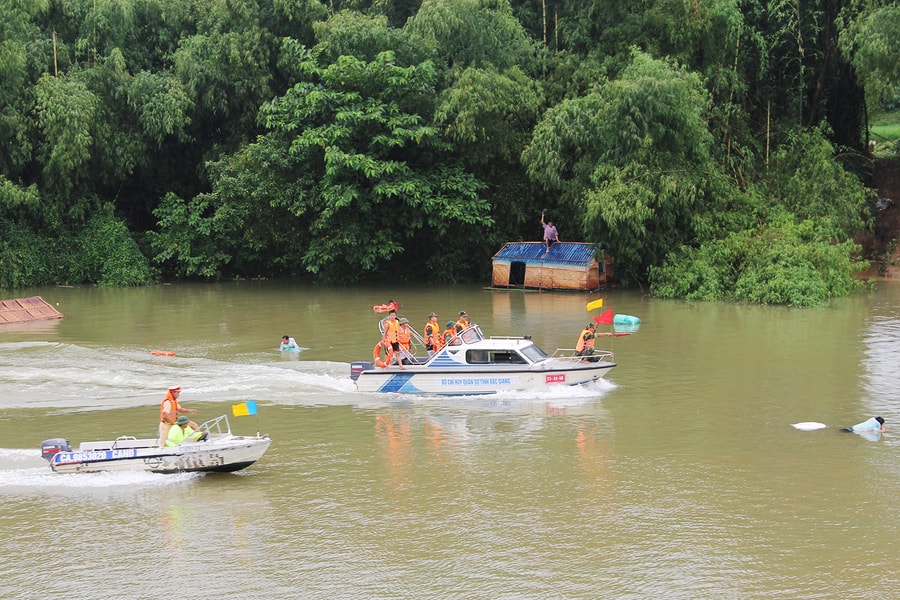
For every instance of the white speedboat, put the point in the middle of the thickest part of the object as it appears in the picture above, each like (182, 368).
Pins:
(473, 364)
(221, 451)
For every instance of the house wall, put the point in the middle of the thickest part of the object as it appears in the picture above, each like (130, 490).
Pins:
(552, 276)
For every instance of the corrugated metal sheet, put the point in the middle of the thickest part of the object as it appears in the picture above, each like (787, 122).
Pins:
(22, 310)
(568, 253)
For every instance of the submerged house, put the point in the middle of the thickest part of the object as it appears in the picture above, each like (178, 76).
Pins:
(23, 310)
(567, 266)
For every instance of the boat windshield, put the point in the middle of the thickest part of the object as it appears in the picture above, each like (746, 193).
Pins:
(534, 353)
(471, 334)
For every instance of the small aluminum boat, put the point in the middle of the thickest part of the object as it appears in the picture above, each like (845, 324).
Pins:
(221, 451)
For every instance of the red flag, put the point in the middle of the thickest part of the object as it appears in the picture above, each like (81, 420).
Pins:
(606, 318)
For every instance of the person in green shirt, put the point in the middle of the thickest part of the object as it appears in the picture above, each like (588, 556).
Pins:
(183, 432)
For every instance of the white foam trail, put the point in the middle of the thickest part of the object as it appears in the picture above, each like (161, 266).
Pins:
(43, 479)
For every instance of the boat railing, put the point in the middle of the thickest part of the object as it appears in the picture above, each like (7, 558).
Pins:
(568, 354)
(417, 342)
(215, 426)
(129, 441)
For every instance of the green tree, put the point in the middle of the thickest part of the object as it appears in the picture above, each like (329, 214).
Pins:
(633, 158)
(472, 33)
(871, 39)
(353, 174)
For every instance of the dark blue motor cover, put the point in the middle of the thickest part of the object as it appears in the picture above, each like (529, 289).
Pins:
(50, 447)
(358, 367)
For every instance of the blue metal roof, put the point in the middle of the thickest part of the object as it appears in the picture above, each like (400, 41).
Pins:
(571, 253)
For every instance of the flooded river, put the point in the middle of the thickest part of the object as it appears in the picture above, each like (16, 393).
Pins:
(679, 476)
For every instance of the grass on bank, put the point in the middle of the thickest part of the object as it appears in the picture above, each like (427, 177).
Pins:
(884, 130)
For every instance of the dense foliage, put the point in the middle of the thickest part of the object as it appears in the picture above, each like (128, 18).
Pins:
(716, 148)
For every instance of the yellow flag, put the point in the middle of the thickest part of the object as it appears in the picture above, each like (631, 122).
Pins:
(595, 304)
(244, 409)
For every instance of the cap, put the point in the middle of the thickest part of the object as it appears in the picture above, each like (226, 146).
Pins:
(462, 313)
(432, 315)
(880, 420)
(182, 420)
(404, 320)
(591, 325)
(175, 388)
(449, 324)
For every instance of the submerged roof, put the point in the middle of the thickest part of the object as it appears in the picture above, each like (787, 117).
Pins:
(571, 253)
(21, 310)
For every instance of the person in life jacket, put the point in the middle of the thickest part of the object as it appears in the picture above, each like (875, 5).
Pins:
(462, 322)
(404, 336)
(183, 432)
(392, 337)
(585, 344)
(449, 333)
(169, 410)
(432, 331)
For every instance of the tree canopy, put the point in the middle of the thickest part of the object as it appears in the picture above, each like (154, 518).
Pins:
(717, 149)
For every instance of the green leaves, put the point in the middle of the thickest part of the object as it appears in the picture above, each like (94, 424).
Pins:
(632, 158)
(67, 113)
(348, 174)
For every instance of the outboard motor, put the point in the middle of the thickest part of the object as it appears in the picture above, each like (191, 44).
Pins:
(50, 447)
(358, 367)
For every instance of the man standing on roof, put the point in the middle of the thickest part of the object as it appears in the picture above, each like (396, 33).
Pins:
(550, 234)
(168, 413)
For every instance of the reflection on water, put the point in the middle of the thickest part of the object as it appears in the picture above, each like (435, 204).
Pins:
(679, 476)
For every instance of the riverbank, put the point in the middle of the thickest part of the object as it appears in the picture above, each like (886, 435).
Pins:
(880, 245)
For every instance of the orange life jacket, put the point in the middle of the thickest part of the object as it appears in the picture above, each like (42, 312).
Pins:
(403, 336)
(168, 410)
(584, 344)
(392, 330)
(462, 324)
(448, 334)
(432, 336)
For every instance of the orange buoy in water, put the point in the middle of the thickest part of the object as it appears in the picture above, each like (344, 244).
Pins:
(162, 353)
(392, 305)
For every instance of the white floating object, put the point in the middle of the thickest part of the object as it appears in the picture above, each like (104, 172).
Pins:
(809, 426)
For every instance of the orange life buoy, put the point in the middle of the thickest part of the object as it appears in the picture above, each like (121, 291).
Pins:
(376, 354)
(385, 307)
(162, 353)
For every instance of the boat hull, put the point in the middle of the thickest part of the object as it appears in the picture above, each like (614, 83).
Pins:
(223, 455)
(466, 382)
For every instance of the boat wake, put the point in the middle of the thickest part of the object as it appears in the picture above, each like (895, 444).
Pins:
(68, 376)
(22, 469)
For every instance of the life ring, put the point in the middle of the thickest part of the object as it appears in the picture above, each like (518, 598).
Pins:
(162, 353)
(376, 354)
